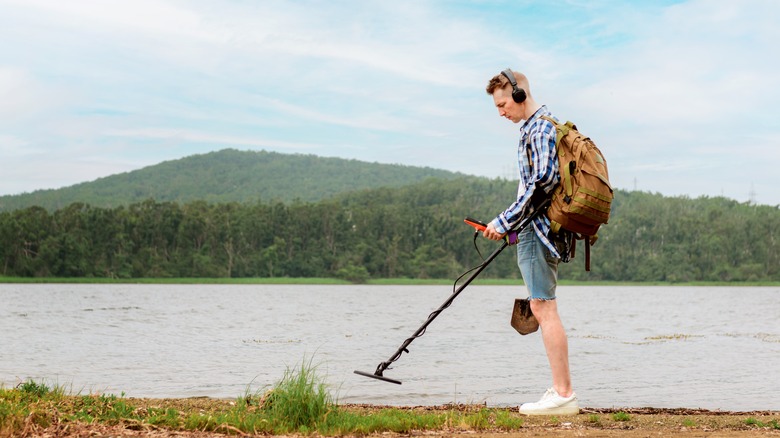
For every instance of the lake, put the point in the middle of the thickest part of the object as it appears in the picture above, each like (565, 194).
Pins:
(630, 346)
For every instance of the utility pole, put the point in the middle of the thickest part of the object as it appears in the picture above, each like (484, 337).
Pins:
(752, 195)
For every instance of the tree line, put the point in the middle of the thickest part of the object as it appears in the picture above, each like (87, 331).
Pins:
(414, 231)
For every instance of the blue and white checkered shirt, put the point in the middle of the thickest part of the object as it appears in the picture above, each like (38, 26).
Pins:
(538, 170)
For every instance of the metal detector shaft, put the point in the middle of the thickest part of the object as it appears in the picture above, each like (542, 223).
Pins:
(384, 365)
(509, 239)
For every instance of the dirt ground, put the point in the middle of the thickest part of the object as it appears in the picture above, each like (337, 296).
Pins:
(591, 422)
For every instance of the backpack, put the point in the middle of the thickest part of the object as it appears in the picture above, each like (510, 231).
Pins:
(583, 198)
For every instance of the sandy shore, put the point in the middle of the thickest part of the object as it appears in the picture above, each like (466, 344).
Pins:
(591, 422)
(632, 422)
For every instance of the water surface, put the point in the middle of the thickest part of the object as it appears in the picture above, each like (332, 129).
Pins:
(697, 347)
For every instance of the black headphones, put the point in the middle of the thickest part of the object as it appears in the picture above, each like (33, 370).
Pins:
(518, 94)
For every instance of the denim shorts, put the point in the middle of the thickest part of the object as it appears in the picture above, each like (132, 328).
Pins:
(538, 265)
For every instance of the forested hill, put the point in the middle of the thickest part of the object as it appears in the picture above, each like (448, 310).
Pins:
(234, 214)
(230, 176)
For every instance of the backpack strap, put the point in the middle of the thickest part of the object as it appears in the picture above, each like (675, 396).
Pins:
(588, 240)
(587, 254)
(563, 168)
(560, 130)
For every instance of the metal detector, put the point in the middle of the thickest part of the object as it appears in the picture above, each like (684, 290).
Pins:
(509, 239)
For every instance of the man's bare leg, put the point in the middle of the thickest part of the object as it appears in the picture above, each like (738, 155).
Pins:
(555, 343)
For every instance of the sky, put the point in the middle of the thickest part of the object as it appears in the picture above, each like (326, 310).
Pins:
(679, 95)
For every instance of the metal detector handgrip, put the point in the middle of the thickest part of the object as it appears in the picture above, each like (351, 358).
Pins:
(478, 225)
(510, 237)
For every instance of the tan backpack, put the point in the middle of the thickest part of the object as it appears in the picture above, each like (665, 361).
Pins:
(582, 200)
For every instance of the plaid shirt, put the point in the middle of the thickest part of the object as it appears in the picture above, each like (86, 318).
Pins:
(538, 170)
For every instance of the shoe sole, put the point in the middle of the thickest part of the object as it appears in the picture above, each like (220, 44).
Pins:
(564, 410)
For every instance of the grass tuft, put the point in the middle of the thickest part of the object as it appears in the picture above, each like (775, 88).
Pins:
(33, 389)
(621, 416)
(772, 424)
(299, 401)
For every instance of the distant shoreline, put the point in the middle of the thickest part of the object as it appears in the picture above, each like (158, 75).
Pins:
(377, 282)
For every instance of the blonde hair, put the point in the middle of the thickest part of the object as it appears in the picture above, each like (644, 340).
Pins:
(500, 81)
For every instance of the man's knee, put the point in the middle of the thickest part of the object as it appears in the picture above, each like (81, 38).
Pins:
(544, 309)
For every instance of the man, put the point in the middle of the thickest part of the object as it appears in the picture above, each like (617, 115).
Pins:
(537, 255)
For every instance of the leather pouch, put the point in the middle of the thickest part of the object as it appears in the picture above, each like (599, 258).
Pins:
(523, 320)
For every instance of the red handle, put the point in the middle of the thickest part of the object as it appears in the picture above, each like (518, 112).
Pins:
(479, 226)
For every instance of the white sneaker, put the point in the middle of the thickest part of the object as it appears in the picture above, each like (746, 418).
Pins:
(552, 404)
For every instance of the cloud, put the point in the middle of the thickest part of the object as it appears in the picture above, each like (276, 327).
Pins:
(180, 135)
(11, 146)
(112, 16)
(23, 96)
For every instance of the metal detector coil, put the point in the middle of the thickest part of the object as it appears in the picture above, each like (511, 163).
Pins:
(378, 377)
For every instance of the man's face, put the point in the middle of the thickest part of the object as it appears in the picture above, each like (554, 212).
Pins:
(507, 107)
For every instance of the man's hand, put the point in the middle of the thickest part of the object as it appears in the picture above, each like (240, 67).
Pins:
(491, 233)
